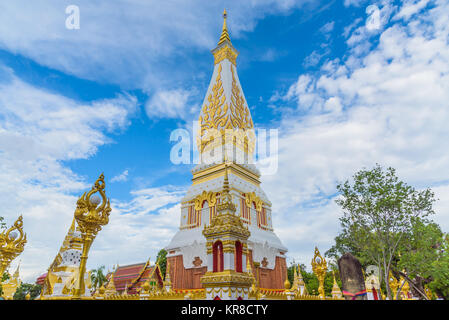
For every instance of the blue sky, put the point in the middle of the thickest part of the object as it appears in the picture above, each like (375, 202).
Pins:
(344, 89)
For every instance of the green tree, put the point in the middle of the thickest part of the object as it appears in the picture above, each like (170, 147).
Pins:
(98, 277)
(27, 288)
(162, 260)
(439, 270)
(378, 211)
(343, 244)
(5, 276)
(421, 248)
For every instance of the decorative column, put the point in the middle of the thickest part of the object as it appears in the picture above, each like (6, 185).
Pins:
(230, 281)
(319, 267)
(167, 281)
(90, 216)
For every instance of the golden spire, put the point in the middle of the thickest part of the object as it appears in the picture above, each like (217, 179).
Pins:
(167, 274)
(248, 263)
(224, 33)
(336, 292)
(16, 273)
(226, 198)
(72, 227)
(226, 181)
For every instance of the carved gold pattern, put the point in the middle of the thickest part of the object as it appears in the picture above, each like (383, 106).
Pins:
(226, 278)
(210, 197)
(394, 285)
(225, 52)
(90, 216)
(251, 197)
(240, 113)
(217, 116)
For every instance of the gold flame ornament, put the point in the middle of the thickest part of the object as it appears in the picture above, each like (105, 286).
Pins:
(90, 216)
(319, 267)
(11, 244)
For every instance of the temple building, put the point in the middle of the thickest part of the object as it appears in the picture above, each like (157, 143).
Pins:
(131, 278)
(226, 144)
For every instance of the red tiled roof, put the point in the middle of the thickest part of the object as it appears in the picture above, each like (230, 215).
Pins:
(129, 276)
(40, 280)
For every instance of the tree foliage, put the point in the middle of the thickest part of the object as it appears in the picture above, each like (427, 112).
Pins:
(439, 270)
(162, 260)
(378, 215)
(27, 288)
(97, 277)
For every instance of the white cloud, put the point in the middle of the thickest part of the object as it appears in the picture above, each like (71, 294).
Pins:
(328, 27)
(129, 42)
(39, 130)
(410, 8)
(388, 105)
(121, 177)
(315, 57)
(270, 55)
(169, 104)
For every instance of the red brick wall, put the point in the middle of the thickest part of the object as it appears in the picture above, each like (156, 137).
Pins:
(272, 279)
(190, 278)
(185, 278)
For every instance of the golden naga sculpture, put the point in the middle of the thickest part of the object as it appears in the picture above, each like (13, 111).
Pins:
(90, 216)
(11, 244)
(319, 267)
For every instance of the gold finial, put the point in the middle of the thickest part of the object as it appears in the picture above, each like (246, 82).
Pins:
(319, 267)
(226, 180)
(224, 33)
(287, 284)
(167, 273)
(226, 198)
(16, 273)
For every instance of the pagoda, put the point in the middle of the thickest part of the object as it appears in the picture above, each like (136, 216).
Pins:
(226, 144)
(60, 279)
